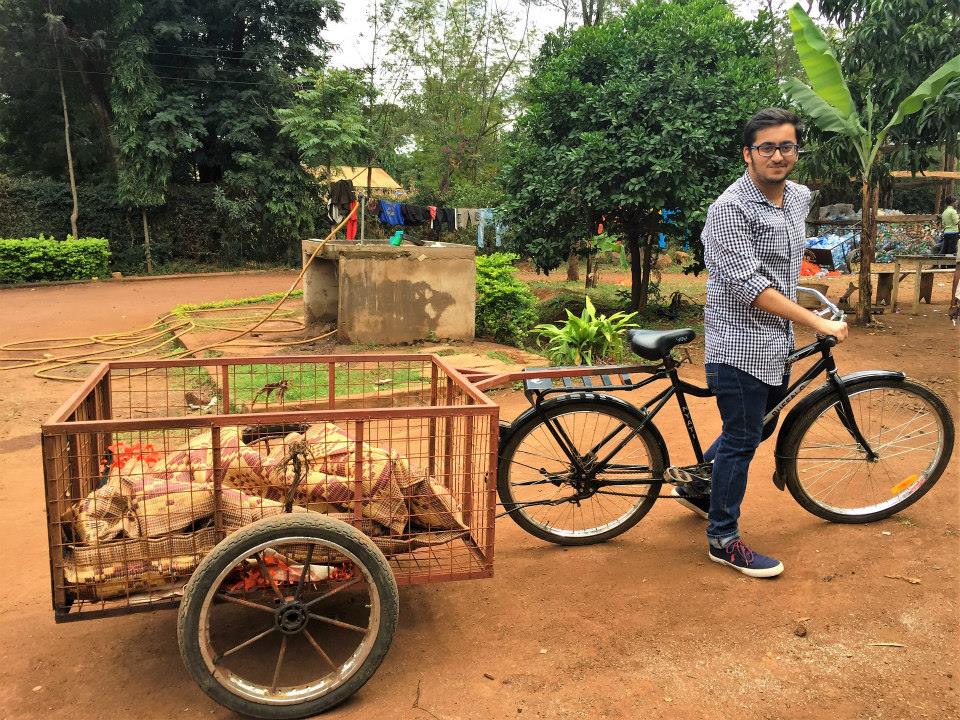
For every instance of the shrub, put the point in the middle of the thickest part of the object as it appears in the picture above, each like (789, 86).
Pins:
(588, 338)
(191, 229)
(42, 258)
(506, 309)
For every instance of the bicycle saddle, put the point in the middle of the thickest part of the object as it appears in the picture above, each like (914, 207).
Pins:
(657, 344)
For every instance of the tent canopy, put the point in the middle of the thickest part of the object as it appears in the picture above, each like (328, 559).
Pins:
(380, 179)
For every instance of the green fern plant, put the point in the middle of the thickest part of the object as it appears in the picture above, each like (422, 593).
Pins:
(587, 338)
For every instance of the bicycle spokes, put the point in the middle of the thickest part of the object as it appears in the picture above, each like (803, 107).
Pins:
(903, 435)
(580, 473)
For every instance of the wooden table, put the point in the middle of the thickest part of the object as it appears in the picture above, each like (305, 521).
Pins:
(915, 263)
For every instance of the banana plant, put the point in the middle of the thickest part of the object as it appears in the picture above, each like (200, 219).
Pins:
(827, 100)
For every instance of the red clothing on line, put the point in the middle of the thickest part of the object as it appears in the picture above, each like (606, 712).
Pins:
(352, 222)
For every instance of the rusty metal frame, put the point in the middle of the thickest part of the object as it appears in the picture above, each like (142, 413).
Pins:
(87, 414)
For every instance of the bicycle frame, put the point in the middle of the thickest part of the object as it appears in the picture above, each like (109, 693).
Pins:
(680, 388)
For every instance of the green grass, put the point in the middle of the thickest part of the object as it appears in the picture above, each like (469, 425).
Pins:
(182, 310)
(310, 381)
(499, 356)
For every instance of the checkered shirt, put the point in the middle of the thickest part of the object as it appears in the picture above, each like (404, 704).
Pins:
(750, 244)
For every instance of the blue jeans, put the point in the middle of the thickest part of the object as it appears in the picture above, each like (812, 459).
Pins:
(743, 402)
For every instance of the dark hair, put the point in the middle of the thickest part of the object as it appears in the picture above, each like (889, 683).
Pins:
(949, 201)
(770, 117)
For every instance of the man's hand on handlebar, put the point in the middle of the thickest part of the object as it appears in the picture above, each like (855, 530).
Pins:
(830, 327)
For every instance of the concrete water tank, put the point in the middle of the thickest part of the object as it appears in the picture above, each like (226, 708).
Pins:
(381, 294)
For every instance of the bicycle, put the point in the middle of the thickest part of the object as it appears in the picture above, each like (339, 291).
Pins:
(586, 466)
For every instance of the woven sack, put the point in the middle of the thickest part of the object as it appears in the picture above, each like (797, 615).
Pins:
(193, 462)
(105, 514)
(162, 514)
(433, 506)
(387, 508)
(241, 509)
(136, 558)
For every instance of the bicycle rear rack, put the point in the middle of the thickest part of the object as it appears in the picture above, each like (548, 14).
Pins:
(537, 388)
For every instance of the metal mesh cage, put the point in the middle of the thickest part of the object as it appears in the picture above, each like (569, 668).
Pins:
(150, 464)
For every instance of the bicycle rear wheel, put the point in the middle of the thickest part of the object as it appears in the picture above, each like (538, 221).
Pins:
(553, 484)
(904, 422)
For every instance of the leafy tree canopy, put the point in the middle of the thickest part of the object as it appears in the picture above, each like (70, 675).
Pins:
(623, 119)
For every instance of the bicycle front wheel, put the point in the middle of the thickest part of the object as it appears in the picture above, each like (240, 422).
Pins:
(905, 424)
(580, 472)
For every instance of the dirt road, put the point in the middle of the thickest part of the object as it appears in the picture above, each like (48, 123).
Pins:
(643, 626)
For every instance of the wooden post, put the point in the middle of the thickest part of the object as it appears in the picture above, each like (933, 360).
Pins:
(467, 499)
(449, 424)
(54, 467)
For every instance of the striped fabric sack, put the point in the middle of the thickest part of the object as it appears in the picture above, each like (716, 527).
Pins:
(387, 508)
(432, 506)
(175, 510)
(170, 557)
(241, 509)
(193, 462)
(105, 514)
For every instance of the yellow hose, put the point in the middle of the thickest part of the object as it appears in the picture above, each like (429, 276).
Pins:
(176, 326)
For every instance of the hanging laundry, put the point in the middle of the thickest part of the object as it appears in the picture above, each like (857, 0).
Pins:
(487, 218)
(415, 214)
(352, 222)
(467, 217)
(445, 215)
(341, 195)
(333, 212)
(390, 213)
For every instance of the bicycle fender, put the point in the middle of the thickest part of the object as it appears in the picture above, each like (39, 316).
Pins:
(797, 411)
(530, 415)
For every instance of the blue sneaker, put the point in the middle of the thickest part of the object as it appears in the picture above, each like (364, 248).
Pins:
(737, 555)
(700, 504)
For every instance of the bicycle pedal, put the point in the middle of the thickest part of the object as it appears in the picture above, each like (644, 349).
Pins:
(678, 476)
(689, 474)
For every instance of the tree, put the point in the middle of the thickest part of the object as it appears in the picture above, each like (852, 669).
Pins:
(828, 101)
(623, 121)
(888, 48)
(152, 126)
(188, 89)
(326, 119)
(592, 11)
(461, 62)
(57, 30)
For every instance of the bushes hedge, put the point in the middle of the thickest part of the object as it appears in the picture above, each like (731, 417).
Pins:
(42, 258)
(506, 309)
(192, 228)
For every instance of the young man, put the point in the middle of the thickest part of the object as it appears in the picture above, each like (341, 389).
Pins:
(753, 245)
(951, 227)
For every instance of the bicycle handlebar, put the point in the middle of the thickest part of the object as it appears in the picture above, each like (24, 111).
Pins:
(836, 313)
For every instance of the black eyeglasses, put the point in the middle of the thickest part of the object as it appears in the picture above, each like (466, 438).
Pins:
(787, 149)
